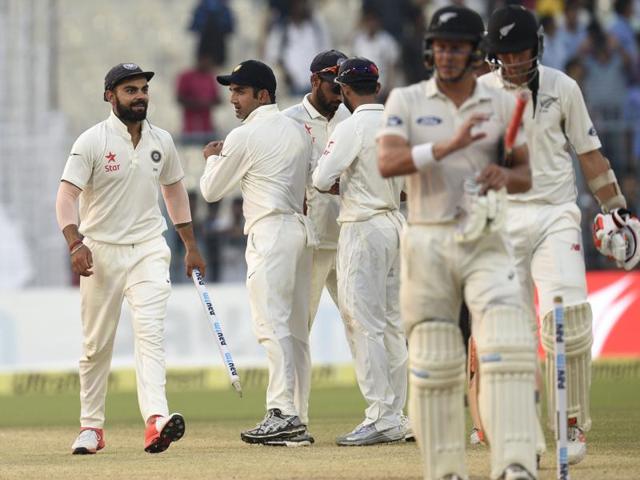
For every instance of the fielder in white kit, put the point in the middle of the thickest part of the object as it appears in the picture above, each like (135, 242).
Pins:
(115, 169)
(445, 134)
(319, 112)
(269, 156)
(368, 256)
(544, 223)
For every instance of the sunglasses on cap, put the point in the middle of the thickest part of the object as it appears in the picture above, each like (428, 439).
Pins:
(372, 69)
(333, 70)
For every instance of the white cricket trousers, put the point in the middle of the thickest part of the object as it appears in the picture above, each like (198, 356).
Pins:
(278, 281)
(323, 274)
(368, 292)
(139, 273)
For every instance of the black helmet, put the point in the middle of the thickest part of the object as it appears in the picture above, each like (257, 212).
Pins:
(513, 29)
(455, 23)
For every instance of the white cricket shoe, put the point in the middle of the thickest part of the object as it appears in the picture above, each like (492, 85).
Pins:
(89, 441)
(577, 444)
(405, 424)
(516, 472)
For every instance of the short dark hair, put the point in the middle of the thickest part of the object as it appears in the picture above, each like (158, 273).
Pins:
(364, 88)
(272, 95)
(620, 6)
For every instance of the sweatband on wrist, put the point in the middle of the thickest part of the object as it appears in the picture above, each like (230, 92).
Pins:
(422, 155)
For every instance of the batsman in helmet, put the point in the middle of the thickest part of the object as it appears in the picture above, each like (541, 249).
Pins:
(544, 222)
(445, 135)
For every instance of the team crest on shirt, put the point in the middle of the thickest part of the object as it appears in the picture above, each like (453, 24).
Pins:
(545, 102)
(394, 121)
(429, 121)
(156, 156)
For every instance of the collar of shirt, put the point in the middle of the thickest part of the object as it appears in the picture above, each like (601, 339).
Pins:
(311, 110)
(120, 127)
(262, 111)
(480, 92)
(368, 107)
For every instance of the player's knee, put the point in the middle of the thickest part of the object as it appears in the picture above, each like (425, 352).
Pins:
(578, 336)
(505, 342)
(436, 355)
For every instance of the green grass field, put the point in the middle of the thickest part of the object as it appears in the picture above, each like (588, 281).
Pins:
(36, 433)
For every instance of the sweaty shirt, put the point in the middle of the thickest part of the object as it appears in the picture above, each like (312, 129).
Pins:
(351, 156)
(119, 199)
(420, 113)
(322, 208)
(561, 121)
(269, 156)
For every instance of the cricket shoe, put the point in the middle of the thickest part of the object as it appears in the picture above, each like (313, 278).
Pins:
(274, 426)
(162, 431)
(303, 439)
(364, 435)
(89, 441)
(477, 437)
(516, 472)
(408, 431)
(577, 443)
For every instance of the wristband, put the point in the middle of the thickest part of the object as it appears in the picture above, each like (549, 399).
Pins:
(422, 156)
(74, 244)
(76, 249)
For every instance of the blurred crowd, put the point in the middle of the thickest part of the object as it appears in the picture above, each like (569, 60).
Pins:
(595, 42)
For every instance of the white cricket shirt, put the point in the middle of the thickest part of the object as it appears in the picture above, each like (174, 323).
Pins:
(322, 208)
(561, 121)
(351, 156)
(420, 113)
(119, 199)
(269, 156)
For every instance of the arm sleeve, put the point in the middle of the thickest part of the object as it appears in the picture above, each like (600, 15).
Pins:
(67, 204)
(79, 167)
(223, 172)
(578, 126)
(177, 201)
(172, 169)
(341, 150)
(396, 118)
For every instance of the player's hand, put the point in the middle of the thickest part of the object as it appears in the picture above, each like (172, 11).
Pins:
(335, 188)
(82, 261)
(465, 134)
(493, 177)
(192, 259)
(212, 148)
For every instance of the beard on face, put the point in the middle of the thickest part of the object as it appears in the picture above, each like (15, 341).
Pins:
(127, 114)
(325, 105)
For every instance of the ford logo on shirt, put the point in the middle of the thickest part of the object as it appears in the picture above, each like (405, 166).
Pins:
(429, 121)
(394, 121)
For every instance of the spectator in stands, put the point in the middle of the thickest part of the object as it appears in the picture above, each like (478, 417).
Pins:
(213, 21)
(413, 66)
(293, 42)
(605, 87)
(197, 93)
(373, 42)
(572, 33)
(554, 54)
(623, 32)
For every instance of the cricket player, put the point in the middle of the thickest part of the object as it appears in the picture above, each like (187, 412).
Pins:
(269, 156)
(445, 134)
(368, 256)
(544, 222)
(119, 252)
(319, 113)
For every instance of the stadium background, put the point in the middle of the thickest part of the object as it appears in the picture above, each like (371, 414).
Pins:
(53, 57)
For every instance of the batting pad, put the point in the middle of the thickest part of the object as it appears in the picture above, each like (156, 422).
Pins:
(506, 351)
(436, 397)
(578, 338)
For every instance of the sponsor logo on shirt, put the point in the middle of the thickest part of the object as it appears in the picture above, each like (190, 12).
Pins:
(592, 131)
(112, 165)
(575, 247)
(156, 156)
(328, 149)
(429, 121)
(394, 121)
